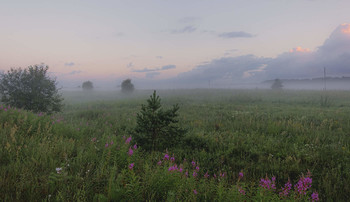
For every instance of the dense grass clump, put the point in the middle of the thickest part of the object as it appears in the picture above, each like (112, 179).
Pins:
(240, 145)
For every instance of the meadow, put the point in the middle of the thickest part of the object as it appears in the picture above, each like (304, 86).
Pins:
(240, 145)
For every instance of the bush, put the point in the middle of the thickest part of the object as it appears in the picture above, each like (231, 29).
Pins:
(157, 129)
(88, 86)
(127, 86)
(30, 89)
(277, 85)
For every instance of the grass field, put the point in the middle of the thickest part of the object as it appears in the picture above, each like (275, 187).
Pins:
(240, 145)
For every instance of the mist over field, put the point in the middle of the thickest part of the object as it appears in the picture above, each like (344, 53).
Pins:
(156, 100)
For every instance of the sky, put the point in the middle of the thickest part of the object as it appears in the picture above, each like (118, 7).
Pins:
(182, 43)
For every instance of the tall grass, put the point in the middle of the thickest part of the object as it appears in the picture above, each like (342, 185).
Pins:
(82, 153)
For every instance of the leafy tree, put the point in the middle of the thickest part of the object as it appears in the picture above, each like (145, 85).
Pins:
(156, 128)
(277, 85)
(30, 89)
(88, 86)
(127, 86)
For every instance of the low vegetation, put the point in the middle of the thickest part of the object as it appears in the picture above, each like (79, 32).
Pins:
(248, 145)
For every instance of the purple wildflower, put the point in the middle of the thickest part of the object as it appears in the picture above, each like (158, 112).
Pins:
(166, 157)
(240, 175)
(130, 152)
(193, 163)
(195, 192)
(206, 175)
(131, 166)
(172, 159)
(135, 146)
(267, 183)
(241, 191)
(314, 196)
(197, 168)
(128, 140)
(106, 145)
(159, 163)
(303, 185)
(285, 190)
(194, 174)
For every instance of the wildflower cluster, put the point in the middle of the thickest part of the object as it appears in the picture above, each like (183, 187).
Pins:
(268, 184)
(303, 184)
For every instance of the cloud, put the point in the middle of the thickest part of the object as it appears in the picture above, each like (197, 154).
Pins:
(159, 57)
(187, 29)
(297, 63)
(163, 68)
(240, 34)
(144, 70)
(189, 19)
(334, 54)
(227, 69)
(152, 74)
(229, 52)
(129, 65)
(69, 64)
(119, 34)
(74, 72)
(166, 67)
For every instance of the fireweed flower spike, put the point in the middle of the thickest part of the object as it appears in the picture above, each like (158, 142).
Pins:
(314, 196)
(193, 163)
(166, 157)
(286, 189)
(240, 175)
(131, 166)
(128, 140)
(130, 152)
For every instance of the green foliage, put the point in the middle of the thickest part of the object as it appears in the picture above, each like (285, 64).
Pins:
(87, 86)
(157, 129)
(30, 89)
(277, 85)
(127, 86)
(260, 132)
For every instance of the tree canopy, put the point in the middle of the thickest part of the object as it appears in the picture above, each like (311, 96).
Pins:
(88, 86)
(30, 89)
(127, 86)
(277, 84)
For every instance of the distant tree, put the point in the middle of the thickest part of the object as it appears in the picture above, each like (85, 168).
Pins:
(277, 84)
(88, 86)
(30, 89)
(127, 86)
(157, 129)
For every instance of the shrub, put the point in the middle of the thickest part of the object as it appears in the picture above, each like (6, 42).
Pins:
(88, 86)
(30, 89)
(156, 128)
(277, 85)
(127, 86)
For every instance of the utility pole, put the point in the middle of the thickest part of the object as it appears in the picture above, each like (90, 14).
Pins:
(324, 79)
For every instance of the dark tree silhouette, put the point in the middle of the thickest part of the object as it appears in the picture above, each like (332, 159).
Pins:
(88, 86)
(277, 84)
(127, 86)
(30, 89)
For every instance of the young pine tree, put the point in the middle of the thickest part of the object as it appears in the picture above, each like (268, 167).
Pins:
(157, 129)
